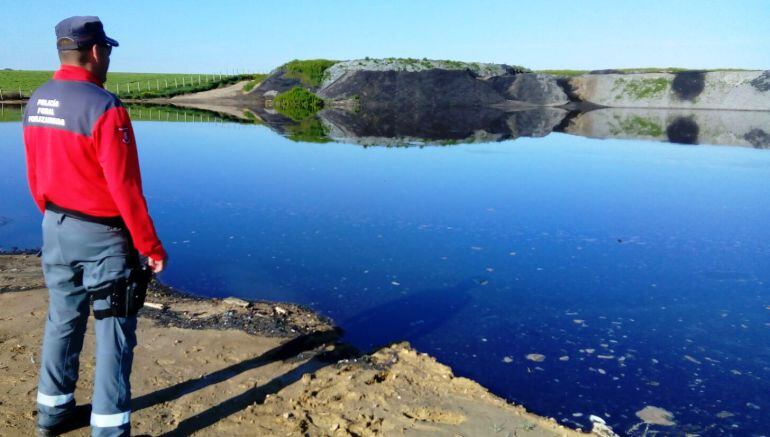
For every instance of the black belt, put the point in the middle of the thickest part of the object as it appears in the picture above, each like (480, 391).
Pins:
(115, 222)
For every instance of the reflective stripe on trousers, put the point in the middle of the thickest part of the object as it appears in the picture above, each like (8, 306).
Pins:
(79, 257)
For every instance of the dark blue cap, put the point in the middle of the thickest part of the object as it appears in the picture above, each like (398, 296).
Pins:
(79, 32)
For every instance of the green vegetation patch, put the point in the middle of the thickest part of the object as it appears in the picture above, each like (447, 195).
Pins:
(125, 85)
(10, 113)
(257, 79)
(169, 113)
(309, 72)
(309, 130)
(563, 72)
(637, 126)
(298, 103)
(643, 88)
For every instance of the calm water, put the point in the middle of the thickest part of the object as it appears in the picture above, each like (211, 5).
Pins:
(638, 269)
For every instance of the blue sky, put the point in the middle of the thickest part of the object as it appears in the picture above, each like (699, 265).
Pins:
(228, 35)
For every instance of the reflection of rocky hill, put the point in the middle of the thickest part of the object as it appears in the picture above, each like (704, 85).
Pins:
(735, 128)
(391, 126)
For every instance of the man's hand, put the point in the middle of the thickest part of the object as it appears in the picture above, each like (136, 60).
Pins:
(156, 266)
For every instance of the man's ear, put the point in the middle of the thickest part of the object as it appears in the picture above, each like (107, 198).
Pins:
(95, 55)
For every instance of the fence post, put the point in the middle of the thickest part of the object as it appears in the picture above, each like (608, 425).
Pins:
(157, 84)
(176, 84)
(183, 81)
(129, 87)
(1, 94)
(166, 83)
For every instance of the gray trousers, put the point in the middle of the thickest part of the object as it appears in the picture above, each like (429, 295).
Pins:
(81, 257)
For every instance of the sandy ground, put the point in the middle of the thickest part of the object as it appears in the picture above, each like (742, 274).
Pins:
(281, 372)
(229, 92)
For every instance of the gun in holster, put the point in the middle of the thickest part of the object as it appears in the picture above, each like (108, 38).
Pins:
(126, 295)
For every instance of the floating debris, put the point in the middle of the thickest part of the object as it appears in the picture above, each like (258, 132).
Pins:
(605, 357)
(564, 358)
(536, 357)
(395, 283)
(596, 419)
(724, 414)
(753, 406)
(507, 360)
(691, 359)
(656, 416)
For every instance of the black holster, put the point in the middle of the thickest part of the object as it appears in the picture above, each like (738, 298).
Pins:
(126, 296)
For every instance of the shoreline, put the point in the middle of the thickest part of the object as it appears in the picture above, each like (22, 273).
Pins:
(270, 368)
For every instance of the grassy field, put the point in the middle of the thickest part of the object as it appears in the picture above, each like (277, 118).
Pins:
(144, 112)
(632, 70)
(128, 85)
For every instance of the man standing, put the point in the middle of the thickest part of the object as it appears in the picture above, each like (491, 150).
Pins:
(84, 176)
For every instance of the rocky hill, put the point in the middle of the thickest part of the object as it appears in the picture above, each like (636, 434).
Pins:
(410, 83)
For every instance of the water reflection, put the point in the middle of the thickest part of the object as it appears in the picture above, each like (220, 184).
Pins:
(418, 126)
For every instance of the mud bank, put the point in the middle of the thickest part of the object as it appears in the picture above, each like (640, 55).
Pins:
(232, 367)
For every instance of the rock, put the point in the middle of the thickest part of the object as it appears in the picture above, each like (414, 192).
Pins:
(656, 416)
(155, 306)
(738, 90)
(406, 89)
(762, 82)
(600, 427)
(237, 302)
(280, 311)
(532, 88)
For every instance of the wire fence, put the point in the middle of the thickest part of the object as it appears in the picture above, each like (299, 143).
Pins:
(15, 112)
(166, 84)
(136, 88)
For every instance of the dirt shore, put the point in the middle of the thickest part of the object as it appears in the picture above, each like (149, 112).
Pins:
(231, 367)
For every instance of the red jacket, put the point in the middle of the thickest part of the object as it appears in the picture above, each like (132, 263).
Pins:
(81, 154)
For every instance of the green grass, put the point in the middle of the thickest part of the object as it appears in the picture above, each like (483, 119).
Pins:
(257, 78)
(10, 113)
(141, 85)
(640, 88)
(633, 70)
(149, 112)
(309, 130)
(171, 91)
(637, 126)
(143, 112)
(309, 72)
(298, 103)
